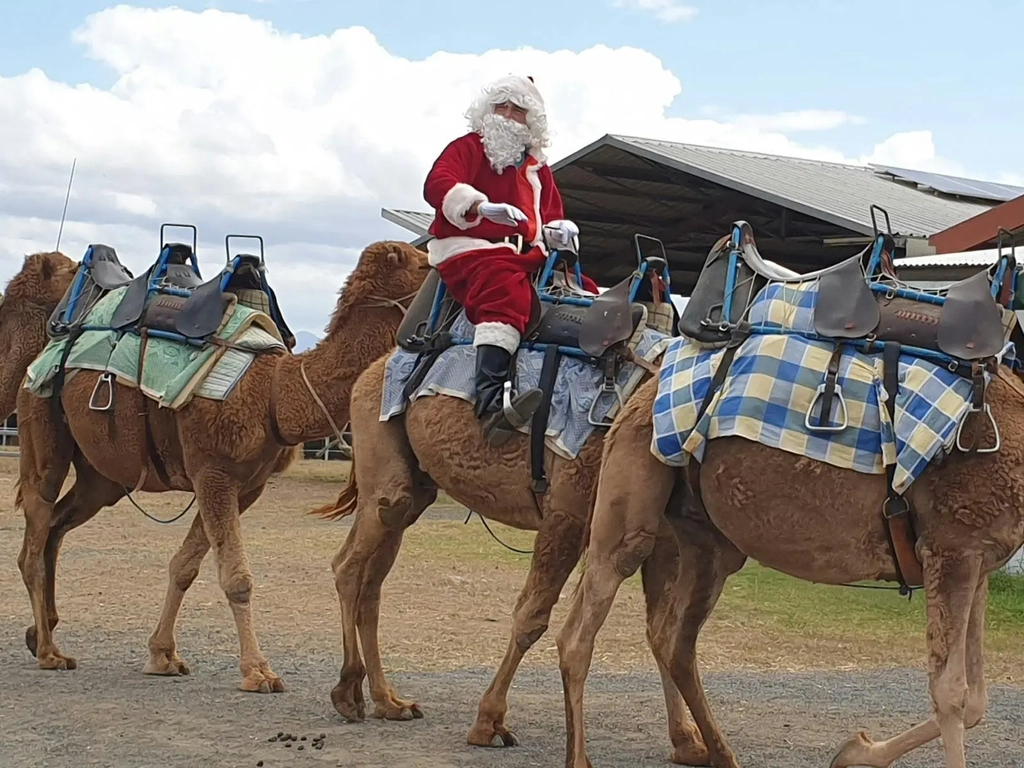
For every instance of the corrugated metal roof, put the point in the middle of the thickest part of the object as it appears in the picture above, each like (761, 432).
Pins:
(416, 222)
(834, 192)
(981, 258)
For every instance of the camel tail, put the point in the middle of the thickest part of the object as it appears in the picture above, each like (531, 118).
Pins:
(346, 501)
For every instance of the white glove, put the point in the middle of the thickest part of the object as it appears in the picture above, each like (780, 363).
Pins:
(559, 234)
(501, 213)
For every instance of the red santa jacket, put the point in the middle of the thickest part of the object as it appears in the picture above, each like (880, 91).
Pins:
(462, 176)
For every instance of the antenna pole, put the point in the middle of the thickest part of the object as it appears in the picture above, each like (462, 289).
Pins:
(67, 197)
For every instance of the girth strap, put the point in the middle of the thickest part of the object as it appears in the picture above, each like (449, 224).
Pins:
(899, 528)
(539, 425)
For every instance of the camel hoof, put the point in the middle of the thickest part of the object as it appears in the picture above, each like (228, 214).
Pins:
(262, 681)
(400, 712)
(57, 661)
(492, 737)
(348, 703)
(166, 665)
(30, 639)
(855, 751)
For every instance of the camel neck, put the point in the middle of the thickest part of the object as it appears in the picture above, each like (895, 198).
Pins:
(331, 369)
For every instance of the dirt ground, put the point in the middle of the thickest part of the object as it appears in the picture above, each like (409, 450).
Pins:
(444, 626)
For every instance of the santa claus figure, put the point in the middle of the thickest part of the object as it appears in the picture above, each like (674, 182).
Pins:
(497, 212)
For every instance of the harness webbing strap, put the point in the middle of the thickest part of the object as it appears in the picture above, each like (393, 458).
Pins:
(899, 528)
(539, 424)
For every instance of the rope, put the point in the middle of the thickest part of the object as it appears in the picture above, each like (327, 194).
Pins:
(493, 536)
(128, 493)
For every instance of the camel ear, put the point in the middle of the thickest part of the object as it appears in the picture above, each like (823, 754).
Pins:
(396, 256)
(46, 269)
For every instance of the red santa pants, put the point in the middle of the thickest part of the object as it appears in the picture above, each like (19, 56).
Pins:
(494, 287)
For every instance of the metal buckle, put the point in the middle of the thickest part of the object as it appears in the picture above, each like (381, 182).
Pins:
(842, 407)
(609, 384)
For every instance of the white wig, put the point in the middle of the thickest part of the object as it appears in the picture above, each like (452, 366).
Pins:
(519, 91)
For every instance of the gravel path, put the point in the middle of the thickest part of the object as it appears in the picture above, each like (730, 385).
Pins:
(108, 714)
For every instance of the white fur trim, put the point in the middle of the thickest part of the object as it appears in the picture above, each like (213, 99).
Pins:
(439, 251)
(457, 202)
(533, 176)
(497, 335)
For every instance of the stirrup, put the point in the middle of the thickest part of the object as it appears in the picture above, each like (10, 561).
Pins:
(843, 413)
(499, 426)
(108, 379)
(991, 420)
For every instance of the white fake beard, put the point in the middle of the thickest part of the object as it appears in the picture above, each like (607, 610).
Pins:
(504, 140)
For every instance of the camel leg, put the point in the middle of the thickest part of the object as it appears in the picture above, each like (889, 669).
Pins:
(674, 619)
(45, 457)
(360, 568)
(218, 498)
(658, 573)
(183, 570)
(632, 493)
(860, 750)
(556, 551)
(388, 705)
(90, 493)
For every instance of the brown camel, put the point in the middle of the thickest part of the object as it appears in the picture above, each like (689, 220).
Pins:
(223, 452)
(28, 301)
(812, 521)
(399, 465)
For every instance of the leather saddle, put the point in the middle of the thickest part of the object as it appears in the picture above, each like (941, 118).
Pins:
(98, 273)
(964, 321)
(608, 319)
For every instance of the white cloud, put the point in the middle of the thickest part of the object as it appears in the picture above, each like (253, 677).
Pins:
(667, 11)
(799, 120)
(218, 119)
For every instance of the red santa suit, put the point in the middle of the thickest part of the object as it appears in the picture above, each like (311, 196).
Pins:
(491, 280)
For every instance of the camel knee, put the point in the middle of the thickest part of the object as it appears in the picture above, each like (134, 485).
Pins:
(526, 638)
(636, 547)
(393, 509)
(974, 711)
(238, 588)
(950, 694)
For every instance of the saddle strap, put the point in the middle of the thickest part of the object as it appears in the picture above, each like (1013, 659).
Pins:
(539, 424)
(899, 528)
(830, 386)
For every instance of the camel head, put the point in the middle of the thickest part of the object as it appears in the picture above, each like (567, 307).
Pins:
(43, 280)
(388, 271)
(26, 305)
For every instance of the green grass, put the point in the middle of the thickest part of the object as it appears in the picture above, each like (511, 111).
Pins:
(757, 591)
(801, 605)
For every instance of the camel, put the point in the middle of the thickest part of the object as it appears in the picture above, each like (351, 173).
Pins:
(28, 301)
(399, 466)
(813, 521)
(223, 452)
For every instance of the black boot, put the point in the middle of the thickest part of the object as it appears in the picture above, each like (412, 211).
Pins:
(492, 370)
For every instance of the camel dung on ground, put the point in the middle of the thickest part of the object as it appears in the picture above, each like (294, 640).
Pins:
(223, 451)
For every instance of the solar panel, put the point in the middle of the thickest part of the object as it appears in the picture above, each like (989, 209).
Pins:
(954, 185)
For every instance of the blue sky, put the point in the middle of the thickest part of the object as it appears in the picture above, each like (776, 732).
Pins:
(901, 65)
